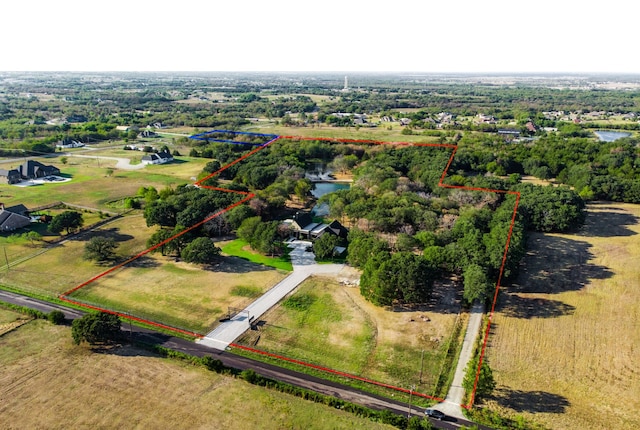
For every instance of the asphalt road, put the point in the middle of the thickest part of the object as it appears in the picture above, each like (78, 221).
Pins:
(267, 370)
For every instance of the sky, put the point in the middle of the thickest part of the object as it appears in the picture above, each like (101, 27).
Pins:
(461, 36)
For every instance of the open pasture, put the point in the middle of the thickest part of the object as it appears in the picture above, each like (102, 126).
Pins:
(564, 347)
(47, 382)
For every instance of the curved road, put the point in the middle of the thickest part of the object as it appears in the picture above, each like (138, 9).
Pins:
(267, 370)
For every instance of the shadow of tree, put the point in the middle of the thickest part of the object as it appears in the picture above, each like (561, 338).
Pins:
(144, 262)
(608, 221)
(518, 306)
(237, 265)
(532, 401)
(113, 233)
(556, 264)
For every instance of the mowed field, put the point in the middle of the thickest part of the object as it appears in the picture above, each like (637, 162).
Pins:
(180, 294)
(47, 382)
(331, 325)
(564, 346)
(54, 270)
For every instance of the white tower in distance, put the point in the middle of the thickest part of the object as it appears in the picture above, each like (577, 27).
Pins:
(346, 84)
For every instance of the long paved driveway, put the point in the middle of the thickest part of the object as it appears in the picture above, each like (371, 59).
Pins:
(455, 396)
(304, 265)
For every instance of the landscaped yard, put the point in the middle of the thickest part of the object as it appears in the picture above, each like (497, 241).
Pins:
(240, 248)
(564, 347)
(93, 185)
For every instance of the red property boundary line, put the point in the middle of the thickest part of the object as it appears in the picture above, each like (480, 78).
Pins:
(248, 196)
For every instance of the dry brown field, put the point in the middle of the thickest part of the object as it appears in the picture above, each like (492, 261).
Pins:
(47, 382)
(564, 344)
(180, 294)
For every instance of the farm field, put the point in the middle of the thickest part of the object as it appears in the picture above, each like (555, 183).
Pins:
(372, 133)
(47, 382)
(564, 343)
(329, 324)
(181, 294)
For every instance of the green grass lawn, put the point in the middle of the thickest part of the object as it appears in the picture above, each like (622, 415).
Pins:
(238, 248)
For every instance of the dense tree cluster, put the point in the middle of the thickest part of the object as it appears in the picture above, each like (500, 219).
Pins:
(174, 211)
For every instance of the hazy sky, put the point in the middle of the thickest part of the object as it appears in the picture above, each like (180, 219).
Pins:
(322, 35)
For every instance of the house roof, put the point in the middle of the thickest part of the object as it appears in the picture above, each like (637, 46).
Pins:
(12, 172)
(303, 219)
(17, 209)
(157, 156)
(31, 168)
(11, 221)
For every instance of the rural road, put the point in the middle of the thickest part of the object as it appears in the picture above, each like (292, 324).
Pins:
(121, 163)
(304, 265)
(301, 380)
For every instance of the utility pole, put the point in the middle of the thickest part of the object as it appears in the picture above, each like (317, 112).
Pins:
(413, 387)
(421, 363)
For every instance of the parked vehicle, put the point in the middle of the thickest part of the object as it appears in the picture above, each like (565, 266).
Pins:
(434, 413)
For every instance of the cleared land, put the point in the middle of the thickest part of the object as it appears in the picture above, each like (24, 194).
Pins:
(180, 294)
(47, 382)
(564, 347)
(49, 273)
(329, 324)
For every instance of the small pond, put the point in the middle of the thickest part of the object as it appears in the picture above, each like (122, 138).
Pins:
(610, 136)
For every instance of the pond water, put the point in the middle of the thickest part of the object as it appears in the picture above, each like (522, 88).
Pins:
(610, 136)
(322, 188)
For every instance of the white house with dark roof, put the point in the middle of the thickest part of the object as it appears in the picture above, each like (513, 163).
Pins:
(157, 158)
(303, 227)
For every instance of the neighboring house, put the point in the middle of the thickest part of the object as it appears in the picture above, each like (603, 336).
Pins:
(157, 158)
(303, 227)
(69, 143)
(30, 169)
(10, 176)
(148, 134)
(13, 218)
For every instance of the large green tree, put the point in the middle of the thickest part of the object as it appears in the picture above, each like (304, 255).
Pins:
(96, 327)
(402, 277)
(324, 246)
(476, 283)
(67, 220)
(100, 249)
(201, 250)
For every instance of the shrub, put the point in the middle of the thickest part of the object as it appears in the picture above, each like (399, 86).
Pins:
(56, 317)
